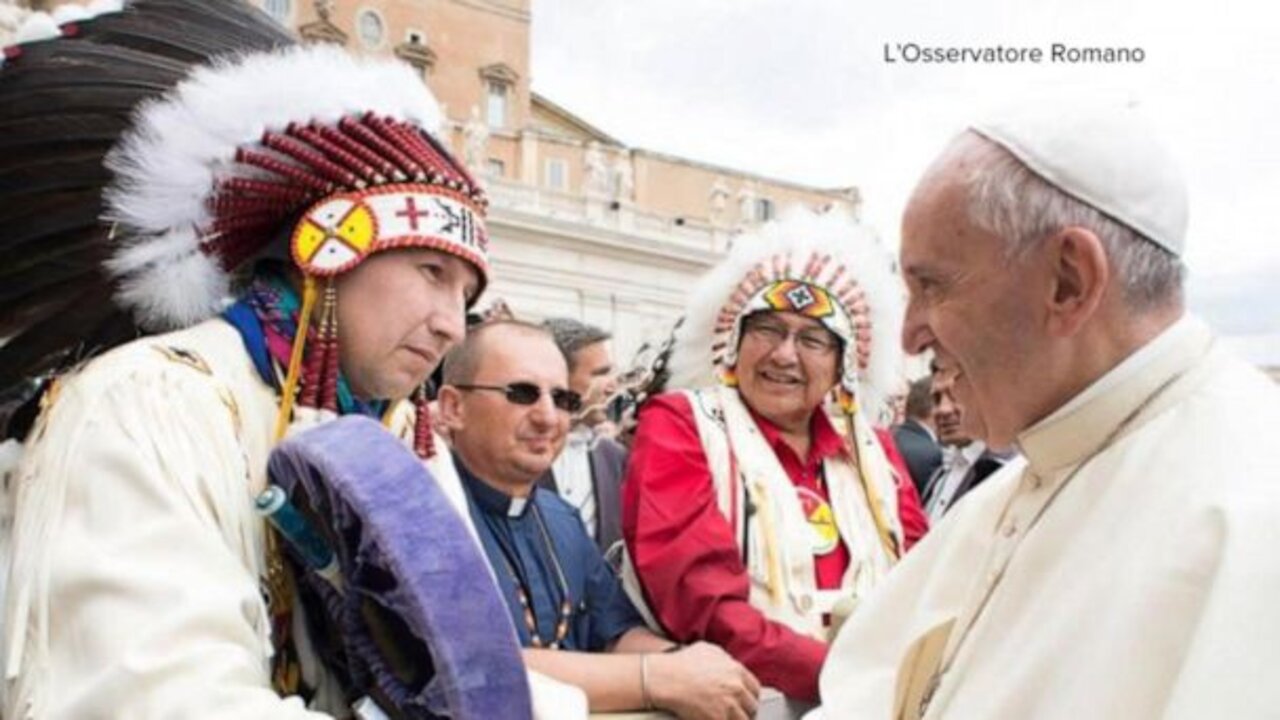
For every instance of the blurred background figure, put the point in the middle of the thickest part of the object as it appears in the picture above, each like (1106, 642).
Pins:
(965, 462)
(588, 472)
(916, 436)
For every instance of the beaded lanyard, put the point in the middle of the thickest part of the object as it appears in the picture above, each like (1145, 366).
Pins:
(526, 607)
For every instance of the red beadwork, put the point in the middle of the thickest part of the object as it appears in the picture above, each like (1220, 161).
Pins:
(370, 137)
(234, 204)
(307, 162)
(431, 154)
(424, 442)
(279, 167)
(340, 137)
(339, 155)
(312, 370)
(310, 157)
(421, 151)
(386, 129)
(230, 224)
(250, 187)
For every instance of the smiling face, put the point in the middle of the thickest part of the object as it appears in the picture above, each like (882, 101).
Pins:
(786, 364)
(973, 306)
(399, 312)
(506, 444)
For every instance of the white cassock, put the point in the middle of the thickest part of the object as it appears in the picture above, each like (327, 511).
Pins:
(1129, 567)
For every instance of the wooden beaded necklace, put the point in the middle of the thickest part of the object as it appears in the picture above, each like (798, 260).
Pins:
(526, 606)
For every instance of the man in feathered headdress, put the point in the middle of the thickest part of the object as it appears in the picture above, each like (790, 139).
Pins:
(758, 497)
(285, 213)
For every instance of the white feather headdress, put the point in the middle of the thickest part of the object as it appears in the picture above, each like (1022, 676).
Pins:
(180, 145)
(790, 249)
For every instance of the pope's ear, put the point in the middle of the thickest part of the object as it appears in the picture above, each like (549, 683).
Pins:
(1081, 273)
(450, 407)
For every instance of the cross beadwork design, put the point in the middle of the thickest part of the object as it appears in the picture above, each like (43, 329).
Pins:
(412, 213)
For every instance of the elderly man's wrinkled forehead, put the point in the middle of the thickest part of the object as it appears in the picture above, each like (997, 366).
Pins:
(962, 161)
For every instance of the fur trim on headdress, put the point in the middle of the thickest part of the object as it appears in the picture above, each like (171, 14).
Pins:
(182, 144)
(790, 249)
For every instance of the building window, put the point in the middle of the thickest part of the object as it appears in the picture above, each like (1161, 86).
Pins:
(279, 10)
(496, 104)
(556, 174)
(414, 51)
(495, 168)
(764, 210)
(371, 29)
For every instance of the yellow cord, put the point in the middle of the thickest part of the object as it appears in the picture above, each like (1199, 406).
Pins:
(772, 567)
(290, 388)
(873, 497)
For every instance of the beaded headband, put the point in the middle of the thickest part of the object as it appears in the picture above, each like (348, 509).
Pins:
(813, 286)
(345, 172)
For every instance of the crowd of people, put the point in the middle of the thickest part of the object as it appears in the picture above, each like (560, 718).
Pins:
(227, 250)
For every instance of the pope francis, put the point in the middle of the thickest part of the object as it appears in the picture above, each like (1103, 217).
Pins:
(1126, 567)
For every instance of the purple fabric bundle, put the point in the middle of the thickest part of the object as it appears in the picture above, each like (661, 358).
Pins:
(419, 625)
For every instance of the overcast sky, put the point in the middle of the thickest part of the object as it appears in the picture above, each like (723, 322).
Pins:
(801, 91)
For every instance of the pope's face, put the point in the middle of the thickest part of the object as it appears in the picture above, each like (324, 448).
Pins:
(399, 312)
(970, 305)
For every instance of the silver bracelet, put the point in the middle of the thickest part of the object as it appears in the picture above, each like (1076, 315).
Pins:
(644, 682)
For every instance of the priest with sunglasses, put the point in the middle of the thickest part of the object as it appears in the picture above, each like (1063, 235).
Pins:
(506, 403)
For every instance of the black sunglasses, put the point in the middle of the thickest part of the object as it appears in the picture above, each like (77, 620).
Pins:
(525, 393)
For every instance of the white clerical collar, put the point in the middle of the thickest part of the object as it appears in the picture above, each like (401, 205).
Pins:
(516, 508)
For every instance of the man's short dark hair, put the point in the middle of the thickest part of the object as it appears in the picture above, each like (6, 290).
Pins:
(920, 399)
(572, 335)
(461, 363)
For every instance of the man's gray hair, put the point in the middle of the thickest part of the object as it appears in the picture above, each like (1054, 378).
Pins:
(572, 335)
(1010, 201)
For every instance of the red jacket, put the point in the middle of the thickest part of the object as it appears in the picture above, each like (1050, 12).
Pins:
(688, 560)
